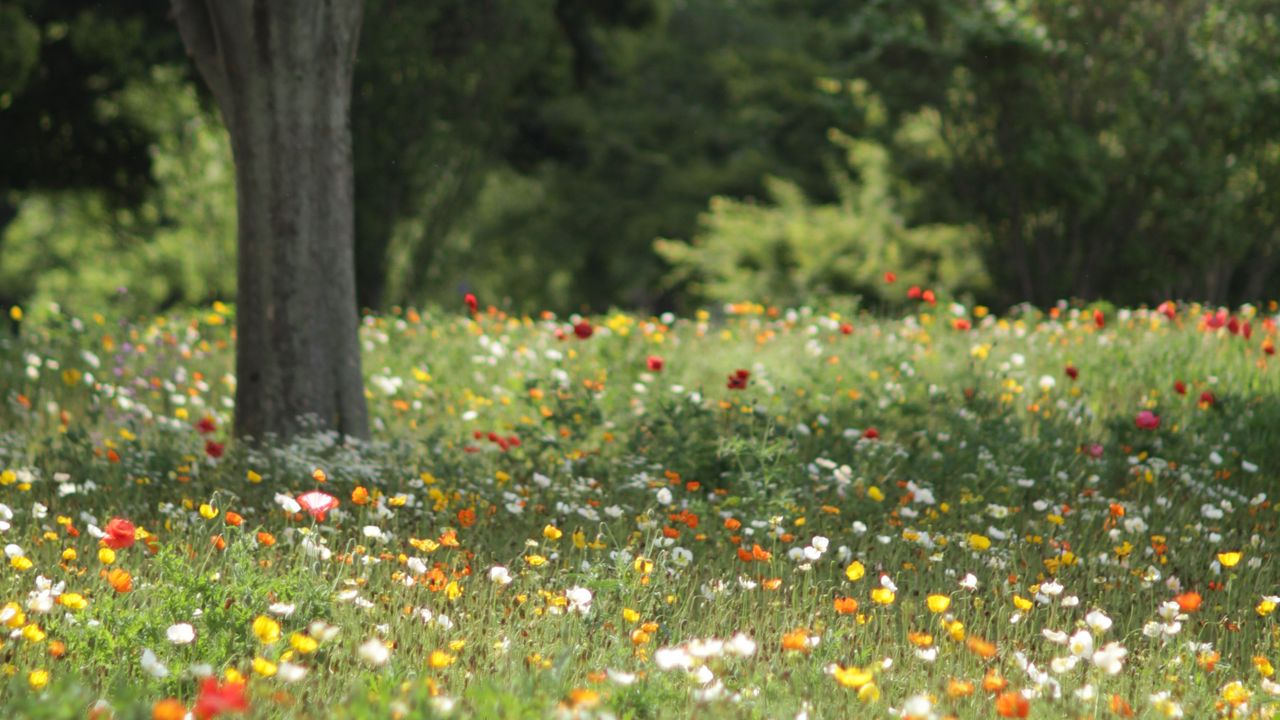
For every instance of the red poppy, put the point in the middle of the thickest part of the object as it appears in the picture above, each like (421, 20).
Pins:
(1189, 601)
(871, 433)
(1247, 330)
(1207, 399)
(317, 503)
(1233, 326)
(207, 425)
(120, 533)
(929, 297)
(738, 380)
(1099, 319)
(218, 698)
(583, 329)
(1147, 420)
(1180, 387)
(914, 292)
(472, 303)
(654, 363)
(846, 328)
(1073, 372)
(961, 324)
(890, 278)
(1168, 308)
(214, 449)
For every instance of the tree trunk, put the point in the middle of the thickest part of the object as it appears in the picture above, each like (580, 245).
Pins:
(280, 72)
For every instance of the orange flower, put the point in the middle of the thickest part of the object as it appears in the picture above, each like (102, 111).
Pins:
(266, 539)
(234, 519)
(120, 579)
(744, 554)
(982, 648)
(759, 553)
(57, 648)
(1120, 707)
(466, 516)
(796, 640)
(959, 688)
(449, 539)
(360, 496)
(1012, 705)
(168, 709)
(846, 605)
(219, 543)
(993, 683)
(1188, 601)
(732, 524)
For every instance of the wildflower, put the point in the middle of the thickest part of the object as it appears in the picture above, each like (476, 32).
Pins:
(440, 659)
(1188, 601)
(654, 363)
(214, 449)
(168, 709)
(181, 634)
(218, 698)
(846, 605)
(375, 652)
(266, 629)
(855, 571)
(499, 575)
(317, 503)
(120, 580)
(1147, 420)
(120, 534)
(938, 603)
(738, 380)
(152, 666)
(851, 677)
(1230, 559)
(883, 596)
(1012, 705)
(583, 330)
(37, 679)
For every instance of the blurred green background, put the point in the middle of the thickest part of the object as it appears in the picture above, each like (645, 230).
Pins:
(665, 154)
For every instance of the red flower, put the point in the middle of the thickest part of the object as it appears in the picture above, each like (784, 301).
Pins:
(120, 533)
(1099, 319)
(216, 699)
(654, 362)
(1180, 387)
(890, 278)
(871, 433)
(914, 292)
(583, 329)
(738, 380)
(1207, 399)
(214, 449)
(1233, 326)
(472, 303)
(1073, 372)
(1147, 420)
(846, 328)
(1247, 330)
(207, 425)
(1168, 308)
(317, 503)
(929, 297)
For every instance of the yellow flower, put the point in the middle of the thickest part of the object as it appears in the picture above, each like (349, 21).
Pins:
(440, 659)
(1022, 603)
(979, 542)
(453, 590)
(883, 595)
(69, 554)
(869, 693)
(74, 601)
(13, 611)
(956, 630)
(33, 634)
(1264, 666)
(852, 677)
(630, 615)
(267, 630)
(106, 556)
(1230, 559)
(535, 560)
(551, 532)
(875, 493)
(1265, 607)
(37, 679)
(304, 644)
(855, 571)
(938, 603)
(264, 667)
(208, 512)
(20, 563)
(254, 477)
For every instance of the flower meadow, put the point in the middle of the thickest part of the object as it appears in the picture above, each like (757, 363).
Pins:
(752, 512)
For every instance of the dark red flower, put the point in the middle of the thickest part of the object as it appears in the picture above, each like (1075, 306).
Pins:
(1247, 330)
(1073, 372)
(120, 533)
(214, 449)
(871, 434)
(218, 698)
(583, 329)
(654, 363)
(207, 425)
(738, 380)
(1207, 398)
(1180, 387)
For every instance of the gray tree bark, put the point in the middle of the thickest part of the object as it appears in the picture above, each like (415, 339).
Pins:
(280, 73)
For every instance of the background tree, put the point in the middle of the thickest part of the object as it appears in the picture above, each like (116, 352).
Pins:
(280, 72)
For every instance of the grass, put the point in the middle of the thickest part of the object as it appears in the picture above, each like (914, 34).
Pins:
(551, 525)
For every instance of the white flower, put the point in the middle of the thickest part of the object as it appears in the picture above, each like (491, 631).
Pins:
(579, 600)
(670, 658)
(290, 505)
(969, 582)
(917, 706)
(152, 666)
(1098, 621)
(500, 575)
(1110, 659)
(664, 496)
(282, 609)
(181, 634)
(375, 652)
(927, 654)
(1062, 665)
(1051, 588)
(1055, 636)
(621, 678)
(704, 649)
(740, 645)
(1086, 693)
(288, 672)
(1081, 644)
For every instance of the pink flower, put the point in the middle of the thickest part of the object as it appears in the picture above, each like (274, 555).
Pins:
(317, 503)
(1147, 420)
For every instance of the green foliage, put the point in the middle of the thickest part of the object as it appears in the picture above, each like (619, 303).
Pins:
(176, 247)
